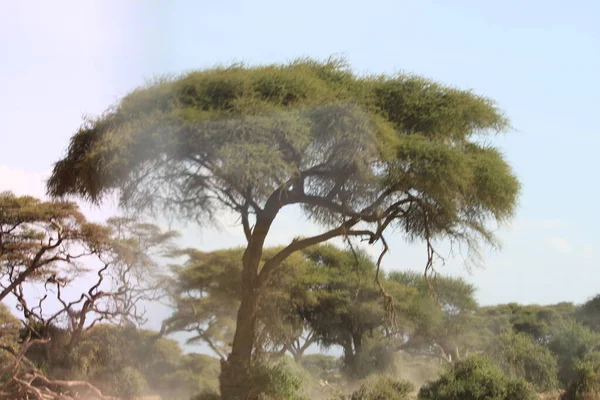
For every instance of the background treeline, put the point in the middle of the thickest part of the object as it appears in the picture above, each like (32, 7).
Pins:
(73, 295)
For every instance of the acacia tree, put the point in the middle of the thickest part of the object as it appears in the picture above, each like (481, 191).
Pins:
(445, 325)
(47, 251)
(344, 306)
(359, 154)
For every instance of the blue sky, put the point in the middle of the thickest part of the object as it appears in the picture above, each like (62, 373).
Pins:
(538, 59)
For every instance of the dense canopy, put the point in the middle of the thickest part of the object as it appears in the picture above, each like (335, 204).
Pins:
(231, 136)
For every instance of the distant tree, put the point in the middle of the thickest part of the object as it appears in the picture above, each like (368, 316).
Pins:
(47, 251)
(321, 366)
(540, 322)
(588, 314)
(359, 154)
(37, 238)
(445, 324)
(207, 294)
(345, 307)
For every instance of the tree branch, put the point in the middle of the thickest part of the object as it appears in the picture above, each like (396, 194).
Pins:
(301, 244)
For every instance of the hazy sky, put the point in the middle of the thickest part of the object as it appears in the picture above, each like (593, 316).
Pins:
(538, 59)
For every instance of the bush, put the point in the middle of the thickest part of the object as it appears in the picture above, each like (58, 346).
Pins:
(476, 378)
(274, 382)
(574, 343)
(383, 388)
(207, 396)
(520, 357)
(586, 382)
(129, 383)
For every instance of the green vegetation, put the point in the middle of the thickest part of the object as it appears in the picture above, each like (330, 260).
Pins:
(383, 388)
(323, 295)
(360, 156)
(476, 378)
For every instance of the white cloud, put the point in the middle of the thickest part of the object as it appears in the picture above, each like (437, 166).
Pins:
(559, 244)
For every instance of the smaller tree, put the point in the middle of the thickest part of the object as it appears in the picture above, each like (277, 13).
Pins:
(345, 306)
(207, 292)
(444, 323)
(47, 251)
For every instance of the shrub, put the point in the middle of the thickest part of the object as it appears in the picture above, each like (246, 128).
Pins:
(274, 382)
(520, 357)
(129, 383)
(573, 344)
(207, 396)
(476, 378)
(586, 382)
(383, 388)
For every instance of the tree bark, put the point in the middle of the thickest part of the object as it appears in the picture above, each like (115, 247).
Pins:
(234, 380)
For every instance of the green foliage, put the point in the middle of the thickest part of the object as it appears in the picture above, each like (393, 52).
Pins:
(321, 366)
(208, 292)
(476, 378)
(10, 326)
(588, 314)
(274, 382)
(253, 129)
(586, 382)
(573, 343)
(387, 151)
(445, 318)
(520, 356)
(194, 373)
(120, 360)
(39, 238)
(128, 383)
(540, 322)
(344, 306)
(207, 396)
(383, 388)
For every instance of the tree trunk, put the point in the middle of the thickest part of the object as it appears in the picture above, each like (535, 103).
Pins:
(234, 380)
